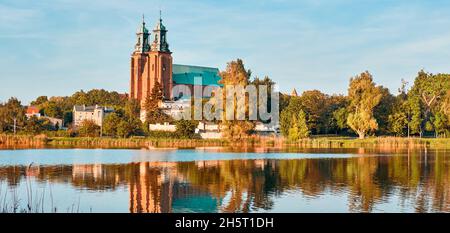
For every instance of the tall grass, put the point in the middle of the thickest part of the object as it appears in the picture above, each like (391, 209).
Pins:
(9, 140)
(37, 201)
(23, 141)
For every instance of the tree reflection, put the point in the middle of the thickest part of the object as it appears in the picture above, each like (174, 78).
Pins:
(420, 180)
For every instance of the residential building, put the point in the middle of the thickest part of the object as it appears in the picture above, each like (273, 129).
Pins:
(33, 111)
(93, 113)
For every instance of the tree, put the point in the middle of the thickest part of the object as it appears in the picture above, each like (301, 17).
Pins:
(88, 128)
(340, 116)
(361, 122)
(315, 105)
(236, 75)
(445, 108)
(110, 124)
(129, 127)
(294, 107)
(426, 97)
(440, 123)
(153, 113)
(364, 96)
(384, 108)
(132, 108)
(52, 109)
(39, 100)
(185, 128)
(12, 116)
(299, 127)
(398, 123)
(269, 83)
(33, 125)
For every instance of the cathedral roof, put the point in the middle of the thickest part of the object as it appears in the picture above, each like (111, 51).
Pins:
(185, 74)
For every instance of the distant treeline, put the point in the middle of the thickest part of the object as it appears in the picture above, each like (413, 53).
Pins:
(421, 110)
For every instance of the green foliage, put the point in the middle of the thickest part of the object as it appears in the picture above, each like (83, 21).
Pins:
(129, 127)
(88, 129)
(110, 124)
(398, 123)
(427, 96)
(12, 111)
(382, 110)
(162, 134)
(440, 123)
(120, 125)
(319, 109)
(293, 107)
(340, 116)
(299, 128)
(35, 125)
(52, 109)
(185, 128)
(40, 100)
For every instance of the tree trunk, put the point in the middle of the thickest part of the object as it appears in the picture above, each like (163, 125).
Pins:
(361, 135)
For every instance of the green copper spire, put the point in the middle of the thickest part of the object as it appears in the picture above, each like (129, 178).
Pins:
(142, 35)
(160, 39)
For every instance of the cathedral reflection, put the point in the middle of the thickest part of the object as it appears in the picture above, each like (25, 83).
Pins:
(416, 179)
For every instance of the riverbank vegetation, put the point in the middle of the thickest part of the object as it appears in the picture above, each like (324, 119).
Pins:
(165, 140)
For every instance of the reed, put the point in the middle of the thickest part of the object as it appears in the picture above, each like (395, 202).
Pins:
(9, 140)
(36, 201)
(41, 141)
(132, 142)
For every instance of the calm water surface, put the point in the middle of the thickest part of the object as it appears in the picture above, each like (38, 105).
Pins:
(220, 180)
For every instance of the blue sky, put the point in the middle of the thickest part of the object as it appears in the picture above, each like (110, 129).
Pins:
(56, 47)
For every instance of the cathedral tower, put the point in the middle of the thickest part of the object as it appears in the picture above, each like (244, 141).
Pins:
(150, 63)
(161, 59)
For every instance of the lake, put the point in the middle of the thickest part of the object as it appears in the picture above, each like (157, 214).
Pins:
(224, 180)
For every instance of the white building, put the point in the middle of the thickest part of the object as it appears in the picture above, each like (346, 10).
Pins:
(92, 113)
(175, 109)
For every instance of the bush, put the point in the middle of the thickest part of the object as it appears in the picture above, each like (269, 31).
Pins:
(185, 129)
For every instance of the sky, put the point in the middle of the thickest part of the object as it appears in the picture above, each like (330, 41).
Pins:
(57, 47)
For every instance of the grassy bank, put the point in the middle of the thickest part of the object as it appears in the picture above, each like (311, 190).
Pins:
(41, 141)
(133, 142)
(374, 142)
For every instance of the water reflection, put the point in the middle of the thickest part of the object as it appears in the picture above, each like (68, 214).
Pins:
(415, 182)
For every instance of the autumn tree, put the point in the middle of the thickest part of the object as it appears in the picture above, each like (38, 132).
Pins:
(88, 128)
(236, 75)
(364, 96)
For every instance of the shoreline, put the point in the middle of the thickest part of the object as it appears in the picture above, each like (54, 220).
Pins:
(41, 141)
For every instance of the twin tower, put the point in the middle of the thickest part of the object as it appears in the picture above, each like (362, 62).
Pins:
(151, 62)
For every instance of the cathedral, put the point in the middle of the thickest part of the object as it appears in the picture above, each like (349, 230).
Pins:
(151, 62)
